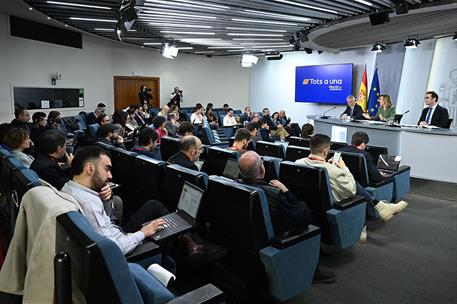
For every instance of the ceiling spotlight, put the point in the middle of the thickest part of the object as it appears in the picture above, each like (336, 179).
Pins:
(296, 47)
(455, 37)
(248, 61)
(378, 47)
(169, 50)
(292, 40)
(412, 42)
(273, 55)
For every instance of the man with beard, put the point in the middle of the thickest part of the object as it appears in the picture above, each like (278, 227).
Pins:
(91, 168)
(110, 134)
(190, 149)
(242, 138)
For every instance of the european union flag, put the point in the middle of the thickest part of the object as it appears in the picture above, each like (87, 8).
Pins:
(375, 91)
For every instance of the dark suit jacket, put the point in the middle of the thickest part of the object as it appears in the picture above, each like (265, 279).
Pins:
(182, 160)
(265, 134)
(439, 119)
(373, 174)
(286, 211)
(49, 170)
(91, 118)
(356, 113)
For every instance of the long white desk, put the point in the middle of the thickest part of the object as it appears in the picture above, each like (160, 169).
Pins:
(431, 153)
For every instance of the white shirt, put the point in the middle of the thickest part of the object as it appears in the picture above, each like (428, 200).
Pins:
(196, 118)
(93, 209)
(229, 121)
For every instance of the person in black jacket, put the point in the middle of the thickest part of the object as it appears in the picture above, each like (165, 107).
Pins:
(358, 144)
(287, 213)
(52, 148)
(21, 119)
(144, 96)
(433, 114)
(190, 149)
(147, 144)
(352, 110)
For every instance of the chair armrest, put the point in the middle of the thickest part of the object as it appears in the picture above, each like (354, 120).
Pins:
(293, 237)
(142, 251)
(403, 169)
(349, 202)
(207, 294)
(381, 183)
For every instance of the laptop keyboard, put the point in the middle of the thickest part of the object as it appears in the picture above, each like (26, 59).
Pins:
(173, 224)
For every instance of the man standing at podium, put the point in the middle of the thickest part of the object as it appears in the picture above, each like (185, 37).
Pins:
(433, 114)
(353, 109)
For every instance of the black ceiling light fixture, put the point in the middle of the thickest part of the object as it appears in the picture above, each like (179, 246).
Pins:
(126, 18)
(412, 42)
(378, 47)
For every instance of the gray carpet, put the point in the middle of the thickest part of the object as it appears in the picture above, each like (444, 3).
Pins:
(410, 259)
(440, 190)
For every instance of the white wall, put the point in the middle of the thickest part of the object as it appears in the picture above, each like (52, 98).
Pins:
(25, 62)
(272, 83)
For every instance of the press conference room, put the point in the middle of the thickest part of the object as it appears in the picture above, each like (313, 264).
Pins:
(222, 151)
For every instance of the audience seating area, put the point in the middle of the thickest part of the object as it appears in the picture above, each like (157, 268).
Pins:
(232, 215)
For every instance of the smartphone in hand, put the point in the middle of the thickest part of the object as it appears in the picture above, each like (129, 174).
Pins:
(113, 185)
(336, 158)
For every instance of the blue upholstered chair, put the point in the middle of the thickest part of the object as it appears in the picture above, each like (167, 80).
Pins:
(168, 147)
(147, 179)
(265, 148)
(217, 159)
(381, 191)
(211, 137)
(93, 128)
(342, 222)
(100, 270)
(280, 266)
(271, 165)
(299, 141)
(294, 152)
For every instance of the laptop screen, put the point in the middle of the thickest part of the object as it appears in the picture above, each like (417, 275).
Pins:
(388, 162)
(231, 169)
(190, 199)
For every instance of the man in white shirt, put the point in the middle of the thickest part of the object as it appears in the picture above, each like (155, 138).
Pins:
(91, 172)
(342, 182)
(229, 119)
(197, 116)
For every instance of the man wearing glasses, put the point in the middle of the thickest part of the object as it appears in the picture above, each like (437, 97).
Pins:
(190, 149)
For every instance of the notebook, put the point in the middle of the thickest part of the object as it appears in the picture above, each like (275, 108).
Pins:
(231, 169)
(388, 164)
(183, 219)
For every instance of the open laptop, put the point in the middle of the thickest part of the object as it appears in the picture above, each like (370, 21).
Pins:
(184, 218)
(388, 164)
(231, 170)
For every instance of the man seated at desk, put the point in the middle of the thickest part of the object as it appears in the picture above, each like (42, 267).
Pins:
(433, 114)
(353, 110)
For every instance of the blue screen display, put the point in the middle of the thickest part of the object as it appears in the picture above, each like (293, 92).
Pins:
(329, 84)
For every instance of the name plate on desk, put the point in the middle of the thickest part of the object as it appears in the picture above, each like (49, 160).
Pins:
(339, 134)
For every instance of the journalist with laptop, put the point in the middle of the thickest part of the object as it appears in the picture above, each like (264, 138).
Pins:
(358, 145)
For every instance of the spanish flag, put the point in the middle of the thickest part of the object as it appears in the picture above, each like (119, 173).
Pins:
(362, 94)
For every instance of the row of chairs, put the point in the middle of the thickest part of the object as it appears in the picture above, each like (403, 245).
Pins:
(259, 257)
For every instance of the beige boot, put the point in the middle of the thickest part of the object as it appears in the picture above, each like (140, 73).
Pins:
(386, 211)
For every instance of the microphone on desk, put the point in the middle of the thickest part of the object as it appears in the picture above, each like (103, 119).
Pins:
(406, 112)
(323, 116)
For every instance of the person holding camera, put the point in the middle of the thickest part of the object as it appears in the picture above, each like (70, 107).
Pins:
(145, 94)
(176, 98)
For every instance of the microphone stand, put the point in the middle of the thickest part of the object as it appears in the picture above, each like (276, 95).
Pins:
(323, 116)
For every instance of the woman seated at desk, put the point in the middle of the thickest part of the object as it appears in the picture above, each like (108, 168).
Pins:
(385, 111)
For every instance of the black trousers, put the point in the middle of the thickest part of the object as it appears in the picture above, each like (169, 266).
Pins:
(150, 210)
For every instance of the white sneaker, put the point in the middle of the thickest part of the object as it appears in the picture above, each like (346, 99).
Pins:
(386, 211)
(363, 235)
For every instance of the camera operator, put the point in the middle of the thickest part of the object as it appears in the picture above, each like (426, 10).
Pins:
(145, 94)
(176, 98)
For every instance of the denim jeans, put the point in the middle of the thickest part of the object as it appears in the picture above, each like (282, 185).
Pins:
(361, 191)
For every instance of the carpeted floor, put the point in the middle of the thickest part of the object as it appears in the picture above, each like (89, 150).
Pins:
(410, 259)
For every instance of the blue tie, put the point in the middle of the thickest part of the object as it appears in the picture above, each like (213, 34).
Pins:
(429, 114)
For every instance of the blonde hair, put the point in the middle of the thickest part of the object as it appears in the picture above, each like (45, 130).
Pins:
(387, 99)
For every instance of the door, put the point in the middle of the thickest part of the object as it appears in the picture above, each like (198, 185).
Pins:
(126, 89)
